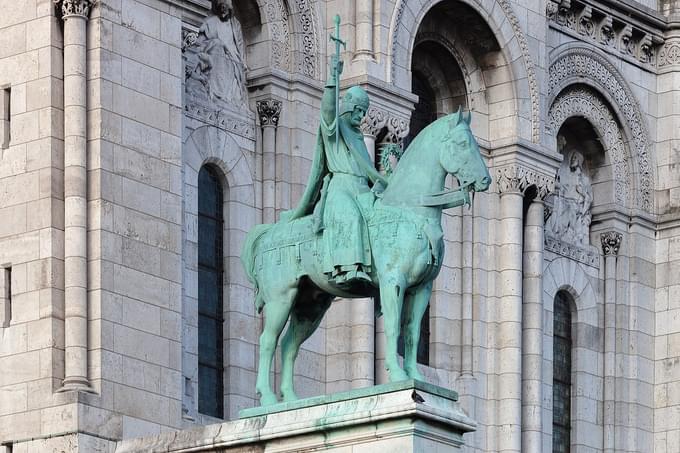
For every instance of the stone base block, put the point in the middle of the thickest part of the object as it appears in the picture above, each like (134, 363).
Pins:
(408, 416)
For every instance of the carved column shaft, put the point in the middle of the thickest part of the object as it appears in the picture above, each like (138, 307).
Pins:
(532, 329)
(611, 242)
(269, 111)
(510, 322)
(364, 28)
(75, 14)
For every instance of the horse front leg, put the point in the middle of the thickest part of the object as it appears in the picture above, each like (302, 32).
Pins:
(391, 299)
(416, 305)
(276, 312)
(304, 321)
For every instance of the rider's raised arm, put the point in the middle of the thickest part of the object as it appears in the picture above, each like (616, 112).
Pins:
(328, 99)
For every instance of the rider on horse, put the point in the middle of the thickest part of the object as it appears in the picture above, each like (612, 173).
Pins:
(342, 169)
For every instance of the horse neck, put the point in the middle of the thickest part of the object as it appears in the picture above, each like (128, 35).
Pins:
(417, 173)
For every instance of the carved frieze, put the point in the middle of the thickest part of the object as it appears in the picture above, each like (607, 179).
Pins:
(374, 121)
(516, 179)
(669, 54)
(587, 255)
(580, 64)
(602, 28)
(611, 242)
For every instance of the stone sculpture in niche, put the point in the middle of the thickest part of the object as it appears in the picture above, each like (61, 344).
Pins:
(220, 72)
(388, 242)
(572, 200)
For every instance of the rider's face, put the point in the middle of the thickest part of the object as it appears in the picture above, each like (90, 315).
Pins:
(357, 116)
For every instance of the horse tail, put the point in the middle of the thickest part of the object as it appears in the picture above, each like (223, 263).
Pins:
(248, 260)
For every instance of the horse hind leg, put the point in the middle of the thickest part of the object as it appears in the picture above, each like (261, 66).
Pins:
(304, 321)
(276, 312)
(416, 305)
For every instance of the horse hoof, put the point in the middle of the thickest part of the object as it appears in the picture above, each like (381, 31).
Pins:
(268, 400)
(290, 396)
(398, 375)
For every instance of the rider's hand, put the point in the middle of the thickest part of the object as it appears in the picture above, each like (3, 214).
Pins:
(378, 188)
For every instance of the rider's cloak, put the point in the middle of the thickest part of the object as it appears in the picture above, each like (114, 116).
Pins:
(362, 165)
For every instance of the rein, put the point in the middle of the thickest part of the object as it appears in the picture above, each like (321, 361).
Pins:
(445, 199)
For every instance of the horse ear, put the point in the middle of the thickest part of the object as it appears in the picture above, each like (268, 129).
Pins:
(467, 117)
(459, 116)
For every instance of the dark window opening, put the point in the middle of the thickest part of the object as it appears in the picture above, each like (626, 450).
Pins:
(562, 345)
(5, 117)
(5, 296)
(210, 294)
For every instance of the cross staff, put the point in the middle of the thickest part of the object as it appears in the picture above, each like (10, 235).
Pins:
(337, 70)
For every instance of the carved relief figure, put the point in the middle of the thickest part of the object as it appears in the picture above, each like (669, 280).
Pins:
(573, 198)
(221, 64)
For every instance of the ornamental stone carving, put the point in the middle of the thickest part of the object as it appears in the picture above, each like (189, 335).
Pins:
(669, 54)
(585, 102)
(587, 255)
(576, 65)
(527, 59)
(600, 27)
(397, 130)
(70, 8)
(572, 200)
(269, 111)
(373, 122)
(516, 179)
(611, 242)
(308, 52)
(276, 16)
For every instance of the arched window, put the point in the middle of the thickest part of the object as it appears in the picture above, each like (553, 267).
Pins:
(562, 373)
(210, 294)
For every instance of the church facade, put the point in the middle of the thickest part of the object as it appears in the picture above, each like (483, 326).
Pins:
(140, 140)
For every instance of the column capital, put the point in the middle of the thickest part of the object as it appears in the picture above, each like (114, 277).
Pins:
(516, 178)
(397, 130)
(611, 241)
(77, 8)
(269, 112)
(373, 122)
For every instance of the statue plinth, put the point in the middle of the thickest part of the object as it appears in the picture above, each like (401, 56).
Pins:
(407, 416)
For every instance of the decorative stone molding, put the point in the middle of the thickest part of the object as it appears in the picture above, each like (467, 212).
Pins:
(669, 54)
(516, 179)
(585, 102)
(611, 241)
(521, 40)
(586, 255)
(69, 8)
(269, 111)
(276, 16)
(305, 15)
(373, 122)
(227, 120)
(605, 30)
(397, 130)
(580, 64)
(189, 38)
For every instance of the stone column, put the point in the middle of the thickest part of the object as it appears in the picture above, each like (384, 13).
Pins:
(75, 14)
(509, 338)
(532, 329)
(269, 111)
(364, 29)
(611, 242)
(466, 308)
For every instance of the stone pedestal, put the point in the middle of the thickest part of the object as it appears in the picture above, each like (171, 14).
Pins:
(408, 416)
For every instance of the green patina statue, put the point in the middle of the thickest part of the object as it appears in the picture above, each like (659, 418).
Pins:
(357, 233)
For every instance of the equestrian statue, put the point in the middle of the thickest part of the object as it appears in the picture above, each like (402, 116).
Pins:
(358, 233)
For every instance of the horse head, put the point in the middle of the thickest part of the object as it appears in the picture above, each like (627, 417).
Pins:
(462, 157)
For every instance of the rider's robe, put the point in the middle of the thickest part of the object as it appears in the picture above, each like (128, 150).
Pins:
(350, 170)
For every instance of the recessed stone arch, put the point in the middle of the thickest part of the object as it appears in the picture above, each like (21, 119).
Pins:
(582, 101)
(581, 65)
(505, 26)
(209, 145)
